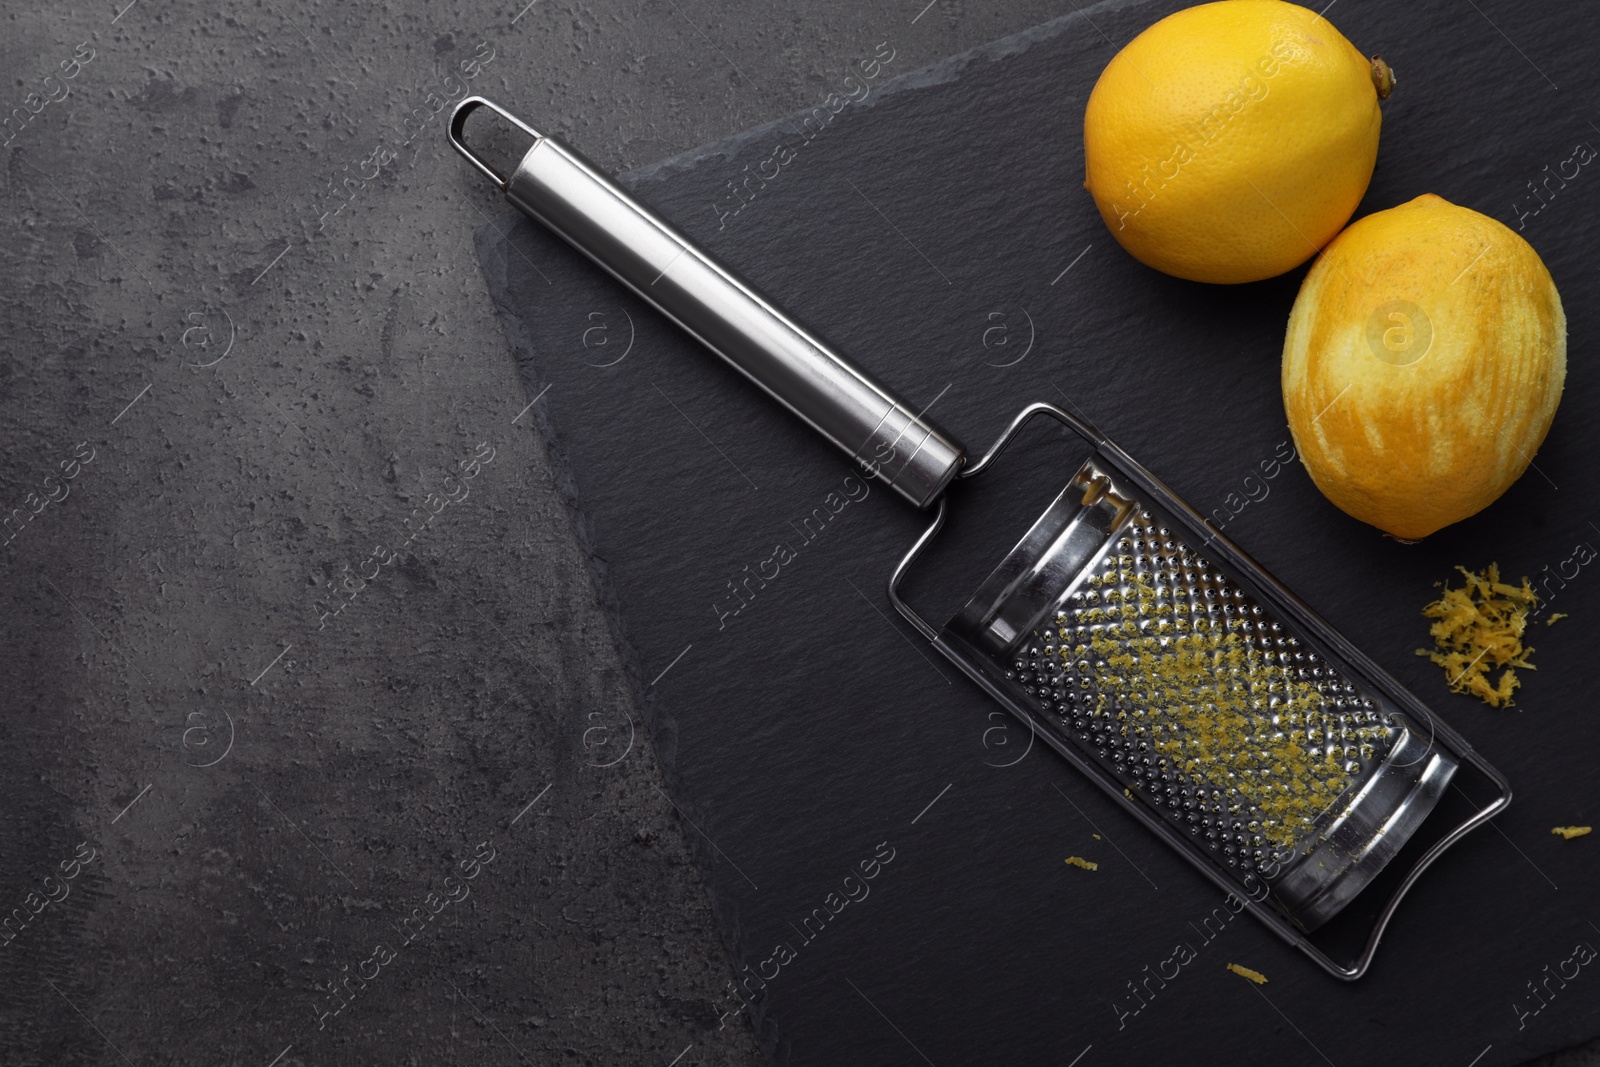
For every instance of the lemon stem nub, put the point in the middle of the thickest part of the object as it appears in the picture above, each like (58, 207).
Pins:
(1382, 77)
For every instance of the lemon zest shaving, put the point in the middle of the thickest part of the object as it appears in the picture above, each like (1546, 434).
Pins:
(1244, 972)
(1214, 696)
(1479, 628)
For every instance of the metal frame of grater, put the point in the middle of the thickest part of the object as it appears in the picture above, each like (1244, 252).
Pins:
(1112, 524)
(1106, 505)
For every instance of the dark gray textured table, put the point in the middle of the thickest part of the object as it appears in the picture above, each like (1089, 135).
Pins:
(270, 384)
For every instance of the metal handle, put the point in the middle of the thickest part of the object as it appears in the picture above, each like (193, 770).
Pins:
(558, 188)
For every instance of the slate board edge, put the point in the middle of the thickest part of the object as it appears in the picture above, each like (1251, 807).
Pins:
(491, 249)
(934, 74)
(660, 723)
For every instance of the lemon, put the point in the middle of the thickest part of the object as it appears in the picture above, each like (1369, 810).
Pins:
(1423, 364)
(1231, 141)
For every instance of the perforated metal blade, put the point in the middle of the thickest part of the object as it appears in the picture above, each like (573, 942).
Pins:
(1226, 722)
(1222, 718)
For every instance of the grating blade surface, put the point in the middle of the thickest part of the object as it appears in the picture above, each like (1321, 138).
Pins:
(1209, 709)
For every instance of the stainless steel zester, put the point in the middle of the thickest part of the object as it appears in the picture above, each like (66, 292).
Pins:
(1131, 637)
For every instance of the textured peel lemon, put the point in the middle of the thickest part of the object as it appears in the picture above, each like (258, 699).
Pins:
(1423, 364)
(1230, 141)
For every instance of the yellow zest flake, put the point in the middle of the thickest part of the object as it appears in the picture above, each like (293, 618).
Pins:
(1479, 628)
(1203, 691)
(1551, 621)
(1569, 832)
(1244, 972)
(1079, 861)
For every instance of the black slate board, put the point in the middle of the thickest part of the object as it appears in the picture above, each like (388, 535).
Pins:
(926, 231)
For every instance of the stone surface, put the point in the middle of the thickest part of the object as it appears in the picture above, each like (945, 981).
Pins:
(269, 386)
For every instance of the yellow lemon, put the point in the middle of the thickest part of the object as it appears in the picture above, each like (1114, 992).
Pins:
(1423, 363)
(1231, 141)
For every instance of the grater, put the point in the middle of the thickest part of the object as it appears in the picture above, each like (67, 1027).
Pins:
(1128, 634)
